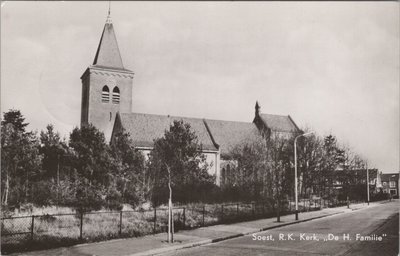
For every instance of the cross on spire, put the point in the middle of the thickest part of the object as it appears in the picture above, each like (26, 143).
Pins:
(109, 21)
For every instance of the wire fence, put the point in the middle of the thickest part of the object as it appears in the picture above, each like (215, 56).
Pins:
(46, 231)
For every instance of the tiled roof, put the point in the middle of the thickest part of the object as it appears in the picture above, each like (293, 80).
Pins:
(279, 123)
(108, 54)
(145, 128)
(228, 134)
(387, 176)
(212, 134)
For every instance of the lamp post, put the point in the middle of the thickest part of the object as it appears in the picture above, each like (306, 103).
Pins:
(367, 185)
(295, 173)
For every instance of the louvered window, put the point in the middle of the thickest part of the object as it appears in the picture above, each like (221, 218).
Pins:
(105, 94)
(115, 95)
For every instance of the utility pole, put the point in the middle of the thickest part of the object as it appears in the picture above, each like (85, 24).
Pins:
(367, 185)
(58, 177)
(295, 181)
(295, 174)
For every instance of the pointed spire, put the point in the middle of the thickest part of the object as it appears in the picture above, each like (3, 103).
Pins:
(107, 53)
(257, 108)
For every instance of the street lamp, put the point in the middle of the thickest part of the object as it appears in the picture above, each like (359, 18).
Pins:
(367, 185)
(295, 173)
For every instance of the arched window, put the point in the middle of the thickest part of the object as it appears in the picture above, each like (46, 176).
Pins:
(105, 94)
(115, 95)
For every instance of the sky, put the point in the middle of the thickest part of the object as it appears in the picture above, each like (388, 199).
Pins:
(332, 66)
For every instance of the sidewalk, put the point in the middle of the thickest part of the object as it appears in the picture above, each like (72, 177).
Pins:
(156, 244)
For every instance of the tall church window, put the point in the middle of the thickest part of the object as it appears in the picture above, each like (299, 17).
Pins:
(115, 95)
(105, 94)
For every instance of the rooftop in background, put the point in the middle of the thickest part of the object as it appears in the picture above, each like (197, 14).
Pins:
(390, 176)
(279, 123)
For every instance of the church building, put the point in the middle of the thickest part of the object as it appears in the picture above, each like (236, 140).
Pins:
(107, 104)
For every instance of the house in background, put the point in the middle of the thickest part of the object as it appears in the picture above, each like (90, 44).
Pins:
(352, 183)
(390, 183)
(107, 88)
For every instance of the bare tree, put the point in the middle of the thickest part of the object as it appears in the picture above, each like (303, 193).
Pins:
(280, 168)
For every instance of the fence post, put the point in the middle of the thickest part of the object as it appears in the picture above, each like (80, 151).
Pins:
(120, 222)
(155, 220)
(253, 208)
(304, 205)
(309, 204)
(32, 226)
(204, 211)
(81, 227)
(184, 217)
(237, 209)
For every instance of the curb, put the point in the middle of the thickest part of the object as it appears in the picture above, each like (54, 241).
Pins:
(219, 239)
(173, 248)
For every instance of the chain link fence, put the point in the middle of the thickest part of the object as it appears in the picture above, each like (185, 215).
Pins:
(46, 231)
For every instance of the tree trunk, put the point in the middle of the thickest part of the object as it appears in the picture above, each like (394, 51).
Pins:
(26, 186)
(7, 189)
(123, 189)
(278, 211)
(144, 183)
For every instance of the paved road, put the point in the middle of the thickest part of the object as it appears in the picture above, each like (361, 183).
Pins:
(379, 220)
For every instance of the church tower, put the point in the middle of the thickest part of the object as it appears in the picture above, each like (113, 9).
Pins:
(106, 85)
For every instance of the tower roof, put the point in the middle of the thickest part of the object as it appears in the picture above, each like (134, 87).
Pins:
(107, 54)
